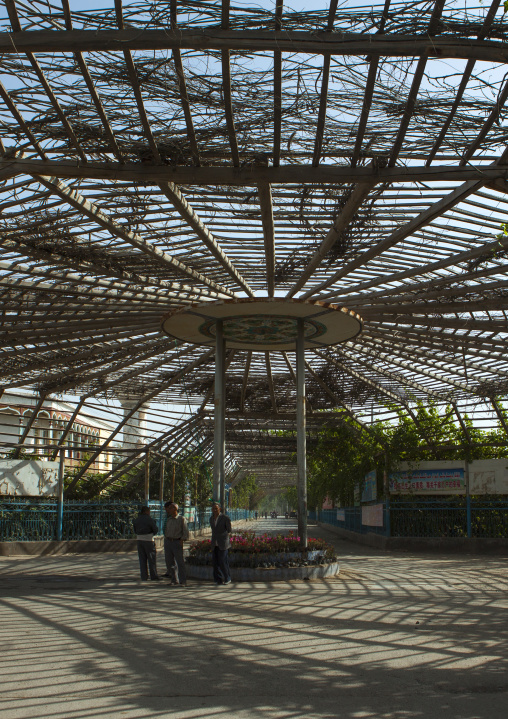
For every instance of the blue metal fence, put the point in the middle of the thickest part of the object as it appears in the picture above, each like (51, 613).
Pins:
(352, 520)
(482, 517)
(33, 520)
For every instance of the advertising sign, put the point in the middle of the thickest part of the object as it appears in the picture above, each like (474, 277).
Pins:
(369, 493)
(341, 515)
(428, 481)
(28, 478)
(372, 515)
(189, 513)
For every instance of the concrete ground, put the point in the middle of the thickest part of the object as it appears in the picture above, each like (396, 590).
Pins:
(395, 635)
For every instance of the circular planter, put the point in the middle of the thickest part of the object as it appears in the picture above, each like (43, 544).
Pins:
(260, 574)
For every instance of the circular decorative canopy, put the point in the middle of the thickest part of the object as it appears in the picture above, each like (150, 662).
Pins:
(263, 323)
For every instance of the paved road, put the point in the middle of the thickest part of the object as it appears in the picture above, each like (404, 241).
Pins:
(394, 636)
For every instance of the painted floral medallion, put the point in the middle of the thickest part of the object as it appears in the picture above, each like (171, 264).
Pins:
(263, 329)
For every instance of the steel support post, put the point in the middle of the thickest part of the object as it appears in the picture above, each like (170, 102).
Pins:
(161, 501)
(147, 478)
(386, 491)
(219, 443)
(301, 435)
(59, 509)
(468, 501)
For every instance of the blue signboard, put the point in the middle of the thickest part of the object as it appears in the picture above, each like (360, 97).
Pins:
(428, 481)
(369, 493)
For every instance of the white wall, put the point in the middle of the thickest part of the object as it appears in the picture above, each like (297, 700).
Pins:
(27, 478)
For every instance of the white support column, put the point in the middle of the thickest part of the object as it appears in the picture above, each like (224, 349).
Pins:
(301, 435)
(219, 439)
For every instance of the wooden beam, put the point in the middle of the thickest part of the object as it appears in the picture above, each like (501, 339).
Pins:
(266, 205)
(226, 89)
(434, 308)
(424, 357)
(500, 415)
(67, 429)
(91, 87)
(251, 175)
(277, 89)
(188, 214)
(245, 380)
(462, 423)
(269, 376)
(415, 368)
(146, 398)
(392, 376)
(334, 398)
(415, 224)
(448, 323)
(28, 427)
(114, 353)
(323, 96)
(214, 38)
(174, 290)
(99, 339)
(353, 204)
(407, 293)
(95, 214)
(369, 93)
(182, 89)
(136, 89)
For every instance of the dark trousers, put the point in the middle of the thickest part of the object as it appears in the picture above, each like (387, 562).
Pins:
(147, 555)
(220, 565)
(173, 553)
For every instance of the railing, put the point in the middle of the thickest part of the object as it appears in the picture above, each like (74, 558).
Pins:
(482, 517)
(479, 517)
(36, 520)
(352, 520)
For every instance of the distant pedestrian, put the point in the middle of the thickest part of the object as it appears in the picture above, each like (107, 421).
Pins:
(175, 534)
(221, 529)
(145, 529)
(255, 515)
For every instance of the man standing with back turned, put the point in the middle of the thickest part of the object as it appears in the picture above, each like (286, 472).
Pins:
(146, 529)
(221, 529)
(175, 534)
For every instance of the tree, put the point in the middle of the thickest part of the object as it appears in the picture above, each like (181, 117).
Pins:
(246, 494)
(343, 453)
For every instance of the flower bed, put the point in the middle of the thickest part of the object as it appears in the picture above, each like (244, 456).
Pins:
(266, 551)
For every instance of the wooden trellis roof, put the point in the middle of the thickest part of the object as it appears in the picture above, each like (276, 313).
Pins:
(156, 154)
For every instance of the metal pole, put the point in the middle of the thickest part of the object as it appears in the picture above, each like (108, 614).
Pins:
(147, 478)
(161, 503)
(301, 438)
(219, 450)
(386, 487)
(59, 517)
(223, 498)
(468, 501)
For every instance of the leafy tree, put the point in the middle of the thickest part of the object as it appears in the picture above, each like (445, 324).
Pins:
(246, 494)
(343, 454)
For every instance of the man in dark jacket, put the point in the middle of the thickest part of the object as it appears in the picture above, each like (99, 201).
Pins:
(145, 529)
(221, 529)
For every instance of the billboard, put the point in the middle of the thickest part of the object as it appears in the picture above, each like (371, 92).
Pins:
(486, 476)
(372, 515)
(369, 493)
(28, 478)
(369, 490)
(450, 480)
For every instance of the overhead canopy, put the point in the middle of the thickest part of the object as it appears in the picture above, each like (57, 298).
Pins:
(263, 324)
(164, 155)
